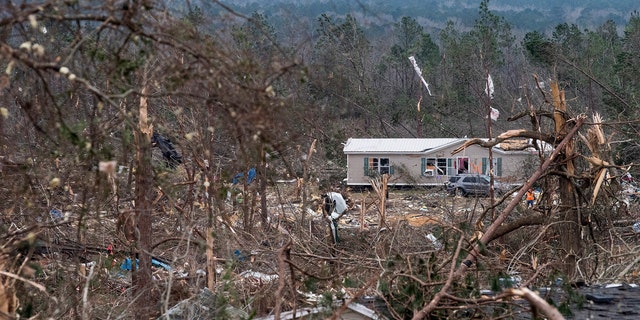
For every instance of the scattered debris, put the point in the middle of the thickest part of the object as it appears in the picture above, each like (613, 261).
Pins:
(436, 243)
(127, 264)
(238, 255)
(353, 311)
(599, 298)
(171, 156)
(251, 175)
(56, 214)
(203, 306)
(255, 275)
(510, 282)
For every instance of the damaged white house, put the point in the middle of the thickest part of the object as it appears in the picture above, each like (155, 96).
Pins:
(429, 162)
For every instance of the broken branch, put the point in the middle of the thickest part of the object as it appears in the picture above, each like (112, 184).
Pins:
(537, 301)
(282, 264)
(551, 139)
(491, 231)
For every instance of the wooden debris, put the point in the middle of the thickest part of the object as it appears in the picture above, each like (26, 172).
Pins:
(514, 144)
(380, 187)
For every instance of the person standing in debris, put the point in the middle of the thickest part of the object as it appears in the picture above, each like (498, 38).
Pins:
(531, 197)
(334, 206)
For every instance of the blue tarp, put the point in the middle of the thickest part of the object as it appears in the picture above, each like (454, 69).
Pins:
(126, 264)
(237, 254)
(55, 214)
(251, 175)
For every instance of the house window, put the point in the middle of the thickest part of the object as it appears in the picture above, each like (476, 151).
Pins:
(377, 166)
(434, 166)
(497, 166)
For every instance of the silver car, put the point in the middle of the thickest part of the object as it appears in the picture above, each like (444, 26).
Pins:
(476, 184)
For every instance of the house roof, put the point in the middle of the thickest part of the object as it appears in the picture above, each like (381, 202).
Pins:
(411, 145)
(392, 145)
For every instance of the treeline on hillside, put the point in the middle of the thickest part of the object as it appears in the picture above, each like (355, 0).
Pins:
(365, 86)
(524, 15)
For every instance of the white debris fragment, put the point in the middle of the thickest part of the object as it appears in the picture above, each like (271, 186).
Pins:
(259, 275)
(436, 243)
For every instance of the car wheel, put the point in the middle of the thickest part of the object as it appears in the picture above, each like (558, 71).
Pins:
(460, 192)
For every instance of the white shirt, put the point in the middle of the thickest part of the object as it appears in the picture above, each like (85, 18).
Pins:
(340, 205)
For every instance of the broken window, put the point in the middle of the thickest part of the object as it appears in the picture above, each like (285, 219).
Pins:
(462, 164)
(377, 166)
(434, 166)
(497, 166)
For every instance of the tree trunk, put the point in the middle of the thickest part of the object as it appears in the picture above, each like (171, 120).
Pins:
(262, 178)
(569, 230)
(141, 279)
(380, 187)
(305, 178)
(211, 261)
(245, 205)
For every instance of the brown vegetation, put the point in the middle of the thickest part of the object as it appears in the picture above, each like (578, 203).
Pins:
(259, 130)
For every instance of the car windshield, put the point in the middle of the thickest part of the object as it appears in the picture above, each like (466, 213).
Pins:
(485, 179)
